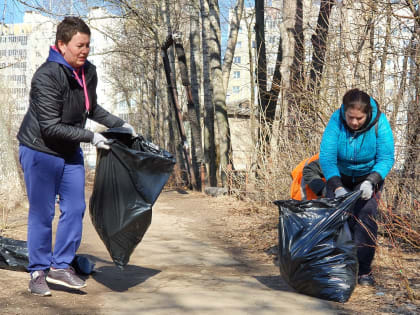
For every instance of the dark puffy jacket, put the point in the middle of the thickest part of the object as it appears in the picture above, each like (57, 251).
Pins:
(56, 117)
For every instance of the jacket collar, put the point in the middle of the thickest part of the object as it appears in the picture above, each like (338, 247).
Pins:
(56, 56)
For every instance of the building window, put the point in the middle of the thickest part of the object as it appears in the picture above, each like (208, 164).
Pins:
(254, 44)
(237, 59)
(235, 89)
(236, 74)
(238, 44)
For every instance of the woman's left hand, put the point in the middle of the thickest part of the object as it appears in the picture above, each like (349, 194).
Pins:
(367, 190)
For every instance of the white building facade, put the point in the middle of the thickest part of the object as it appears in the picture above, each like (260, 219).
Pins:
(25, 46)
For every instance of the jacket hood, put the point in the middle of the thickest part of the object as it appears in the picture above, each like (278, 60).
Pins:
(56, 56)
(370, 122)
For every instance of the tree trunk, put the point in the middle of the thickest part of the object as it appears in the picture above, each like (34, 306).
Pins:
(261, 58)
(171, 55)
(411, 170)
(195, 70)
(384, 57)
(209, 134)
(233, 36)
(297, 71)
(219, 100)
(319, 43)
(399, 96)
(249, 21)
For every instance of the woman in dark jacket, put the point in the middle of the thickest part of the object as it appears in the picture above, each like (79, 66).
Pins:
(357, 153)
(62, 97)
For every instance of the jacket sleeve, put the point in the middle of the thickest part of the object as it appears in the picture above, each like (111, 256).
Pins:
(47, 101)
(384, 148)
(102, 116)
(329, 151)
(99, 114)
(312, 175)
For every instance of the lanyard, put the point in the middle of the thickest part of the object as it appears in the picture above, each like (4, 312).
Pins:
(83, 83)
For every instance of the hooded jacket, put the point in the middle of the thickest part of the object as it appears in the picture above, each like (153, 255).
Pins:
(56, 117)
(356, 155)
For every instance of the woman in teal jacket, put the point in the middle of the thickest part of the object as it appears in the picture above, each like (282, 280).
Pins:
(357, 153)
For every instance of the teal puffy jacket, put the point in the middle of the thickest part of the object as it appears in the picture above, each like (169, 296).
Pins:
(357, 153)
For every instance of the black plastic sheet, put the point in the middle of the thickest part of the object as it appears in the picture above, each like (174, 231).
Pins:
(129, 178)
(316, 254)
(13, 254)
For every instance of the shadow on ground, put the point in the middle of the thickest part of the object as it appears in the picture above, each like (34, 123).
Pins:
(121, 280)
(274, 282)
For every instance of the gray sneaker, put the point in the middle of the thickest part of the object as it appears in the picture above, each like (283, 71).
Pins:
(37, 284)
(65, 277)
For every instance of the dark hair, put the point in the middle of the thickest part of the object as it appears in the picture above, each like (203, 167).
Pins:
(356, 98)
(69, 27)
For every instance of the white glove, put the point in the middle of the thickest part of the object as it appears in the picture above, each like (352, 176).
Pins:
(128, 126)
(340, 192)
(99, 141)
(367, 190)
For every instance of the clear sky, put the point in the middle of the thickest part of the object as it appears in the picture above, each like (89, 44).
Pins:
(11, 11)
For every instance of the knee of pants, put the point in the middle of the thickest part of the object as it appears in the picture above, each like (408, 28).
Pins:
(365, 232)
(73, 209)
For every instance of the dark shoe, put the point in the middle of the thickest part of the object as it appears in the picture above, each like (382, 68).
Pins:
(37, 284)
(366, 280)
(65, 277)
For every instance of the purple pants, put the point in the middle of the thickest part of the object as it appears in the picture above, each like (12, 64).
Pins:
(45, 177)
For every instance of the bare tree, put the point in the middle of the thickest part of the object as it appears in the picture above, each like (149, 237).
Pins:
(209, 132)
(319, 43)
(219, 99)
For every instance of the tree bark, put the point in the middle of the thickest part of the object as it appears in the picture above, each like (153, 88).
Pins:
(195, 70)
(219, 99)
(249, 21)
(171, 55)
(233, 36)
(261, 59)
(209, 132)
(384, 57)
(297, 71)
(319, 43)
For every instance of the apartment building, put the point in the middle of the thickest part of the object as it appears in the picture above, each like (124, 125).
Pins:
(25, 46)
(240, 83)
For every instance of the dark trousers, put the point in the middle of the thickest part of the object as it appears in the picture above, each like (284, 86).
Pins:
(364, 228)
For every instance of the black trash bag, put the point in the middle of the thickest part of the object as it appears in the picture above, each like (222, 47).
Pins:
(13, 254)
(316, 254)
(129, 178)
(82, 265)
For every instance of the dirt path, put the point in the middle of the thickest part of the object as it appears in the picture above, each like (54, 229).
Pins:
(179, 268)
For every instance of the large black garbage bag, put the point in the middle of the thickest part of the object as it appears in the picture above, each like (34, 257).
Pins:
(13, 254)
(316, 254)
(129, 178)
